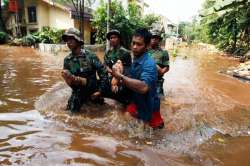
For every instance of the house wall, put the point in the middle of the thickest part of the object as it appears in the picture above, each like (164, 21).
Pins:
(42, 14)
(48, 15)
(87, 30)
(31, 26)
(59, 18)
(52, 16)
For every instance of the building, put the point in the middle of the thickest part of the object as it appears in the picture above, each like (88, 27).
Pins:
(33, 15)
(170, 28)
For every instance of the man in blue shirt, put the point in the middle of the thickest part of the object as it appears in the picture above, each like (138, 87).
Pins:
(145, 103)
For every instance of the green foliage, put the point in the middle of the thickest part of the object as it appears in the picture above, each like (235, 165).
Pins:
(225, 23)
(190, 31)
(49, 35)
(28, 40)
(5, 2)
(126, 21)
(228, 25)
(3, 37)
(150, 19)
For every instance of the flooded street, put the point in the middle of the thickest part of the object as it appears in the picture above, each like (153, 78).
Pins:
(207, 117)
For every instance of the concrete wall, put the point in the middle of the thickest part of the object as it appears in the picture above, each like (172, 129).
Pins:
(57, 48)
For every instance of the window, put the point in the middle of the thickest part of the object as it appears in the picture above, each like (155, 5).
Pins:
(33, 30)
(32, 14)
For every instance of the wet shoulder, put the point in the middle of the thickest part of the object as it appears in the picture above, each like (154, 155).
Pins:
(148, 60)
(122, 49)
(68, 59)
(165, 53)
(89, 54)
(107, 52)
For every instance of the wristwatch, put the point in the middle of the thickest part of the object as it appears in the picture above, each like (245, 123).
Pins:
(121, 78)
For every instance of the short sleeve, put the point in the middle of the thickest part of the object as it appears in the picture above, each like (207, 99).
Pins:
(165, 58)
(149, 73)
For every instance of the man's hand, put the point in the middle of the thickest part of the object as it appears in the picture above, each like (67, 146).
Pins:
(79, 81)
(67, 76)
(73, 80)
(117, 69)
(162, 71)
(114, 88)
(109, 70)
(96, 95)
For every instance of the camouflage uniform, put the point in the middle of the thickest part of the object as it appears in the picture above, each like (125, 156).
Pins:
(110, 58)
(112, 55)
(85, 65)
(161, 58)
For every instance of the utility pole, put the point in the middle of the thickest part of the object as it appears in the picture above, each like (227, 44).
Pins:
(82, 18)
(108, 23)
(79, 9)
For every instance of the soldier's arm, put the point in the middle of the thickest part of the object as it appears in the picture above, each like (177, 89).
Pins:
(70, 79)
(164, 68)
(127, 58)
(102, 73)
(126, 61)
(66, 73)
(107, 62)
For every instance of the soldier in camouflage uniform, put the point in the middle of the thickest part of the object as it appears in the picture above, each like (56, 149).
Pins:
(161, 58)
(115, 54)
(80, 68)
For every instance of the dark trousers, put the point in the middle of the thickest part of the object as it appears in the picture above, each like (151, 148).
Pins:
(160, 90)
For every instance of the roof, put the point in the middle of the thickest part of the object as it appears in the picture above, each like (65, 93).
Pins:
(68, 7)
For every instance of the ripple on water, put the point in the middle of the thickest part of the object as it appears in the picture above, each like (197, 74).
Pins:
(17, 100)
(109, 119)
(2, 103)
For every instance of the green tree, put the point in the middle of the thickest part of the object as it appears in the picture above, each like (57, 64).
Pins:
(126, 21)
(227, 24)
(2, 25)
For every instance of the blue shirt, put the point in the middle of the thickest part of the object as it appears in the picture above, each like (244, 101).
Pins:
(144, 69)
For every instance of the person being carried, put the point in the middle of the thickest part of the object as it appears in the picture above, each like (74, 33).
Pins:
(145, 103)
(161, 58)
(79, 72)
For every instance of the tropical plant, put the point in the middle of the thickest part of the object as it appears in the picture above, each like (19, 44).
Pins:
(227, 24)
(46, 35)
(124, 20)
(3, 37)
(49, 35)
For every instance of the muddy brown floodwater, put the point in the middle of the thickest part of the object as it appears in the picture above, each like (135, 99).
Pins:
(207, 117)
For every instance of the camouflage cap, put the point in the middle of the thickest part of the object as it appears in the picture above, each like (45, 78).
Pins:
(156, 33)
(73, 32)
(113, 32)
